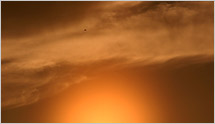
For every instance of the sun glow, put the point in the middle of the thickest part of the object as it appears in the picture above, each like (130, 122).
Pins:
(109, 98)
(105, 102)
(106, 107)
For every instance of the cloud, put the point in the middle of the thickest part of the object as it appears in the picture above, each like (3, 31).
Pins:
(139, 30)
(39, 37)
(26, 86)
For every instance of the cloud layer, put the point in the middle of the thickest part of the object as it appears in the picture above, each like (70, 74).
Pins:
(177, 90)
(45, 50)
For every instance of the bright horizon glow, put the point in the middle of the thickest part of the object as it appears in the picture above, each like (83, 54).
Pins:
(110, 103)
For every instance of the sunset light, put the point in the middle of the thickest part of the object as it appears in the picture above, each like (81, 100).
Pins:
(107, 62)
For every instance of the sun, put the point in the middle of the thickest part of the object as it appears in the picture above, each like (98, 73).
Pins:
(106, 107)
(103, 101)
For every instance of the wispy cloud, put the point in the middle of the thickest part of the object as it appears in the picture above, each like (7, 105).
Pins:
(36, 37)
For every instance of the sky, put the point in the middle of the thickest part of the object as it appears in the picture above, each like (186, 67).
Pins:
(137, 61)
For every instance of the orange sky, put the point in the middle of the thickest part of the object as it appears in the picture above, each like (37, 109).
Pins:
(137, 62)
